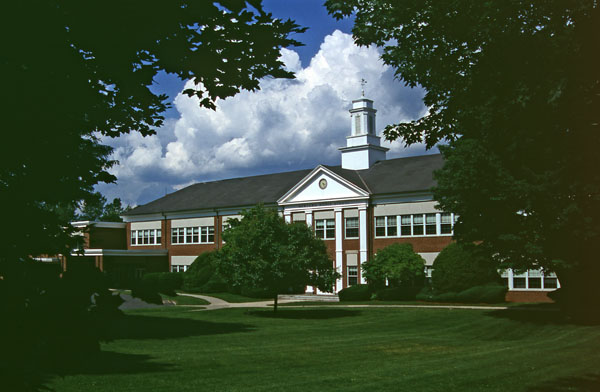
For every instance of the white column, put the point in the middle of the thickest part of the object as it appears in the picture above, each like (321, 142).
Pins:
(309, 218)
(438, 223)
(362, 225)
(287, 216)
(510, 279)
(338, 248)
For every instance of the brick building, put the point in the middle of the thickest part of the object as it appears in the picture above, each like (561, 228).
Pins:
(357, 208)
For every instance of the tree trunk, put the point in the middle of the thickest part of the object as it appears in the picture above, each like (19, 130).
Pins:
(275, 303)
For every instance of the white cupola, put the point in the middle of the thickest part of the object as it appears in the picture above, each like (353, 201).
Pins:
(363, 146)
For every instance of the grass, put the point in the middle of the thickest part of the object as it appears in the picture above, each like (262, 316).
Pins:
(374, 302)
(327, 349)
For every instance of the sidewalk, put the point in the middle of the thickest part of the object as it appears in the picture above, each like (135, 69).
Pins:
(217, 303)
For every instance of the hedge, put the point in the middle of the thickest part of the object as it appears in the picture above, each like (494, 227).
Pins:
(359, 292)
(490, 293)
(398, 294)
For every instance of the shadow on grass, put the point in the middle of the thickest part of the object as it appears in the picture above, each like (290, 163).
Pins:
(108, 362)
(151, 327)
(585, 383)
(544, 315)
(305, 314)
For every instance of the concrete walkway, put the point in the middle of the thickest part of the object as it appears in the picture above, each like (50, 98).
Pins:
(217, 303)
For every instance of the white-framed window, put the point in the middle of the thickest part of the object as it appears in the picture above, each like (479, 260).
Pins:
(418, 225)
(535, 279)
(446, 223)
(406, 225)
(415, 225)
(193, 235)
(179, 268)
(325, 228)
(146, 237)
(351, 227)
(352, 275)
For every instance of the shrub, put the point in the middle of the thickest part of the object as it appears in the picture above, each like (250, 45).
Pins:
(398, 264)
(215, 284)
(398, 294)
(459, 267)
(200, 273)
(164, 282)
(445, 297)
(359, 292)
(489, 294)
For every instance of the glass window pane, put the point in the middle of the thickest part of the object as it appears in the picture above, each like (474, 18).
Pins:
(446, 217)
(418, 219)
(519, 283)
(380, 221)
(391, 221)
(330, 223)
(535, 283)
(430, 219)
(418, 230)
(319, 223)
(550, 283)
(405, 220)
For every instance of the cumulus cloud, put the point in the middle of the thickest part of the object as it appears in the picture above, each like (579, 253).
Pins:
(287, 125)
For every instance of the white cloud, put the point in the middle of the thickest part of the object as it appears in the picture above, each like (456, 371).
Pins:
(287, 125)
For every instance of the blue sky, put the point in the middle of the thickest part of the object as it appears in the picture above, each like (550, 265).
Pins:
(287, 125)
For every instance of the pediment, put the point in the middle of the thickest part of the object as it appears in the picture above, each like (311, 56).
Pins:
(322, 185)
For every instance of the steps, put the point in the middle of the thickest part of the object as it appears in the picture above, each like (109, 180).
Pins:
(309, 297)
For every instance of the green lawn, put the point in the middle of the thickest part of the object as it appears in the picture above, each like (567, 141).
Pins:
(328, 349)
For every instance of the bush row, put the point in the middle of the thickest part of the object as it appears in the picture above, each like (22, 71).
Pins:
(491, 293)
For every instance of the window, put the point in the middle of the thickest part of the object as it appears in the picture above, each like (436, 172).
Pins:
(405, 225)
(417, 224)
(325, 228)
(193, 235)
(146, 237)
(430, 224)
(380, 226)
(531, 280)
(446, 225)
(179, 268)
(351, 227)
(392, 226)
(357, 123)
(352, 275)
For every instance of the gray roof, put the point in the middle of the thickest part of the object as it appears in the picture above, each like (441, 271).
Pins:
(391, 176)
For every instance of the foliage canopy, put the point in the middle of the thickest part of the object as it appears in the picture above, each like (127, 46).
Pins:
(88, 67)
(513, 88)
(263, 252)
(396, 263)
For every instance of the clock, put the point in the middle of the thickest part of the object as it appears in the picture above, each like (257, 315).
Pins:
(323, 183)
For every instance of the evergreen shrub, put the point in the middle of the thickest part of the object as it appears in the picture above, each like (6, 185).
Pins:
(398, 294)
(459, 267)
(359, 292)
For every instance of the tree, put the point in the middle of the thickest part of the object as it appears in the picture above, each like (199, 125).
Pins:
(96, 208)
(89, 67)
(263, 252)
(397, 264)
(513, 88)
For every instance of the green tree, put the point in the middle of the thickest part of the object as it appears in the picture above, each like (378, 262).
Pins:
(96, 208)
(263, 252)
(513, 88)
(397, 264)
(89, 68)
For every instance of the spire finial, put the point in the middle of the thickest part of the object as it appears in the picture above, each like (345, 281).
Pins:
(362, 83)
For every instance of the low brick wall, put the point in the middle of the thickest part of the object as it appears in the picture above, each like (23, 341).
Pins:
(527, 296)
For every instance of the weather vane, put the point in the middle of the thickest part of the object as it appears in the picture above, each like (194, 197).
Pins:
(362, 83)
